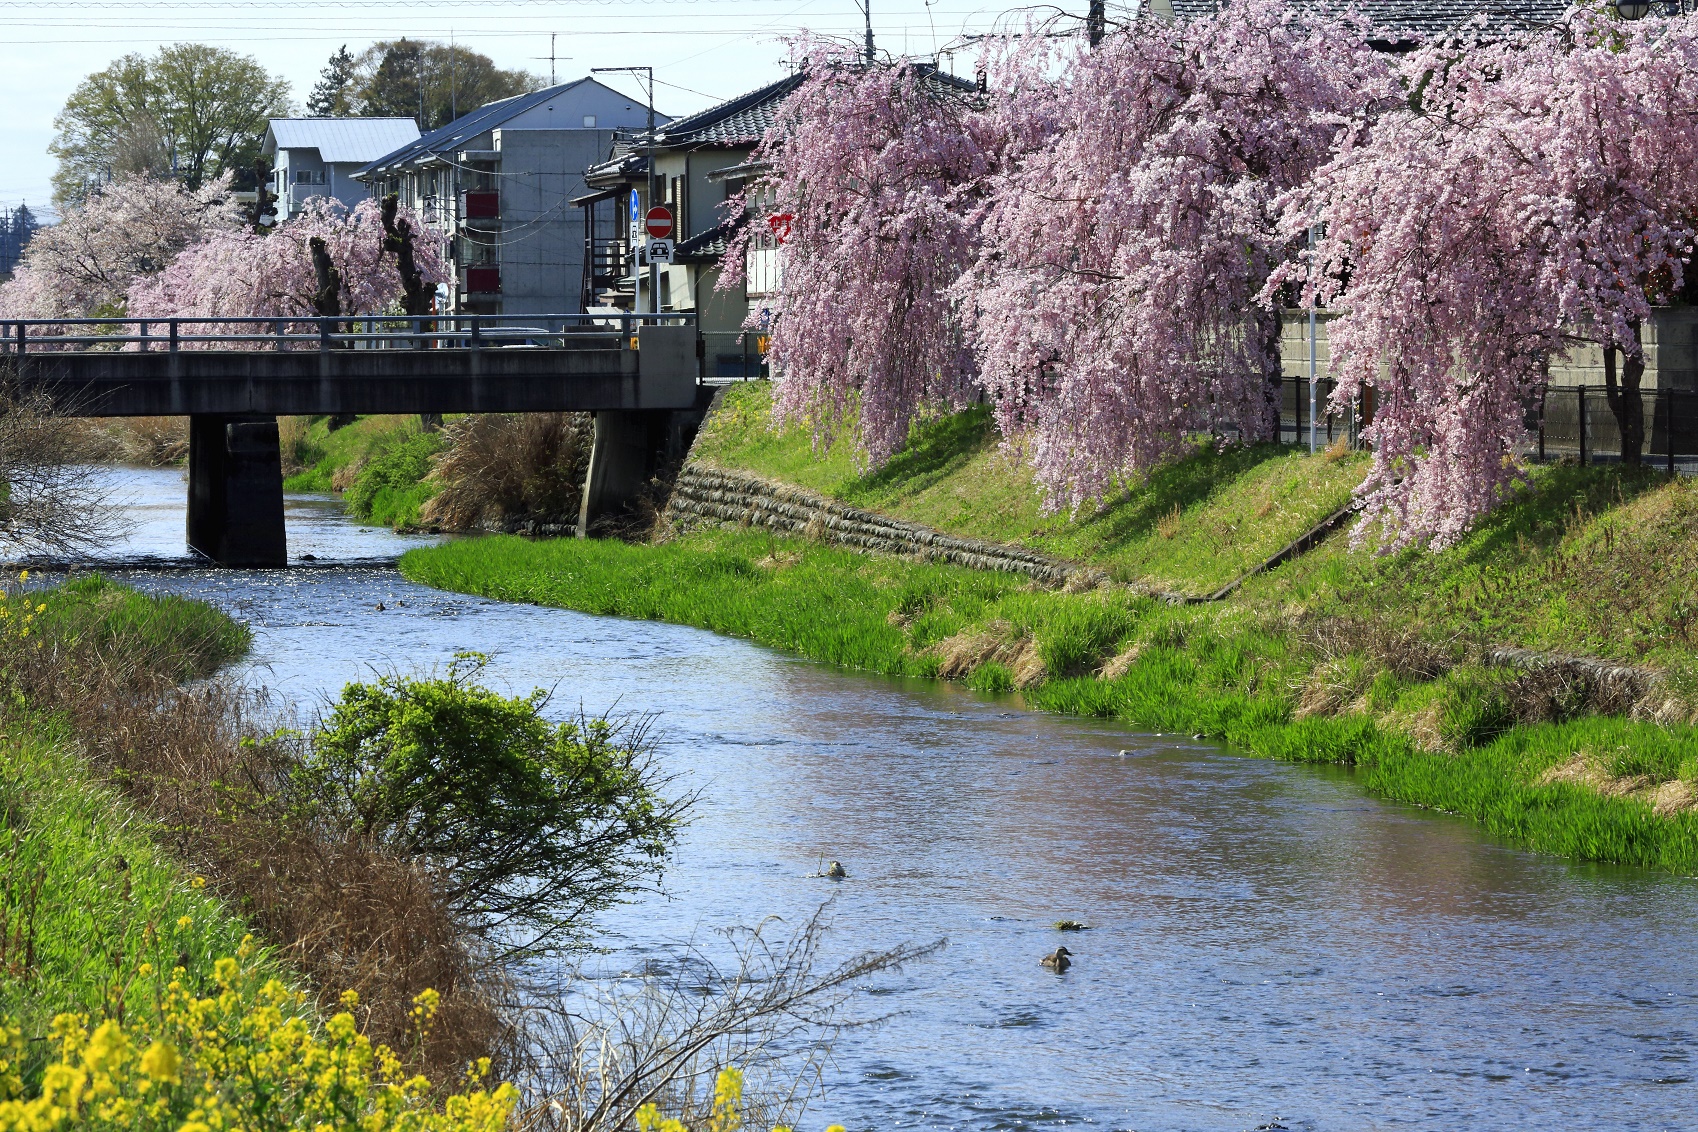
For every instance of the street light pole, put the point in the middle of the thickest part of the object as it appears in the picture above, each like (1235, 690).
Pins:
(654, 268)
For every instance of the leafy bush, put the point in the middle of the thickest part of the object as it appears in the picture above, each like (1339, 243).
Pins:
(533, 825)
(391, 487)
(244, 1056)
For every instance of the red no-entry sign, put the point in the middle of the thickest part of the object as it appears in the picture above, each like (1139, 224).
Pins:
(659, 222)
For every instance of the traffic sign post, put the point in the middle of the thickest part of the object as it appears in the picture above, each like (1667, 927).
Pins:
(659, 222)
(658, 250)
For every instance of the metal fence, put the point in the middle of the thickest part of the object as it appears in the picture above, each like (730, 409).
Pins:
(1294, 412)
(302, 332)
(736, 355)
(1577, 423)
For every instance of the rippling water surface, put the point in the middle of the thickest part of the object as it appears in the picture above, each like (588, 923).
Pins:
(1269, 943)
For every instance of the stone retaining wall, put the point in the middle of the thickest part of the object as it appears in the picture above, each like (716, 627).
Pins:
(705, 495)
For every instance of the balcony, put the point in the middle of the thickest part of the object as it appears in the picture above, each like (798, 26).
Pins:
(483, 280)
(480, 205)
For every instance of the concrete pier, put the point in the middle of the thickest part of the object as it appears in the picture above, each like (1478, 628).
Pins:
(236, 491)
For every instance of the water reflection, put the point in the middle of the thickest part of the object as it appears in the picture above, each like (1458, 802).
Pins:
(1267, 943)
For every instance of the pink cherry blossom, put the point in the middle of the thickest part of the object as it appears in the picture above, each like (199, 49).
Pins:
(1527, 193)
(1115, 303)
(873, 166)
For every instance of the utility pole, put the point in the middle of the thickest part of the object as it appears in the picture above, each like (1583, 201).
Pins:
(867, 11)
(1095, 22)
(1311, 346)
(654, 269)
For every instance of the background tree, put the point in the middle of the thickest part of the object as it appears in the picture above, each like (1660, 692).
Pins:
(333, 95)
(390, 75)
(192, 111)
(133, 228)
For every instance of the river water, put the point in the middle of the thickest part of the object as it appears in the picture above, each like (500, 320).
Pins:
(1270, 948)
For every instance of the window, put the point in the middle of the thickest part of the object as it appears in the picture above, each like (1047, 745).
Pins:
(675, 197)
(302, 177)
(589, 121)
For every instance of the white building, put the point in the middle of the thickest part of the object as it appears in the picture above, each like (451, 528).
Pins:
(317, 157)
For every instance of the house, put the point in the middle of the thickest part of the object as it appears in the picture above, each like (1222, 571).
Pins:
(318, 157)
(1401, 24)
(700, 162)
(495, 185)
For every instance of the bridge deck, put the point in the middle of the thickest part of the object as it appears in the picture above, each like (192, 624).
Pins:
(585, 367)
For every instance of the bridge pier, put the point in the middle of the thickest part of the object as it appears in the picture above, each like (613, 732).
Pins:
(630, 447)
(236, 490)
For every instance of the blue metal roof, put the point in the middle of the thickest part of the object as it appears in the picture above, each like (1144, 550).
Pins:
(467, 126)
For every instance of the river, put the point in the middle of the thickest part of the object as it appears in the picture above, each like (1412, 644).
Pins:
(1270, 946)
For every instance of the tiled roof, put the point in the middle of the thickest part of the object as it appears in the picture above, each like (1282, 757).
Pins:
(743, 120)
(1408, 19)
(709, 246)
(342, 139)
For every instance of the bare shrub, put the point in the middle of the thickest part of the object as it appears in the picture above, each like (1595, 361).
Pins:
(510, 471)
(1396, 649)
(608, 1046)
(52, 501)
(156, 442)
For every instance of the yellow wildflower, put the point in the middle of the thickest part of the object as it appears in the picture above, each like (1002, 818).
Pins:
(162, 1063)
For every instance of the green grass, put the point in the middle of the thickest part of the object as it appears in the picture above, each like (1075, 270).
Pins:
(1225, 671)
(380, 462)
(1188, 527)
(93, 915)
(181, 638)
(86, 895)
(1220, 671)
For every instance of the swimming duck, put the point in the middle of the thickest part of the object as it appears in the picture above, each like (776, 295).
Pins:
(836, 871)
(1057, 960)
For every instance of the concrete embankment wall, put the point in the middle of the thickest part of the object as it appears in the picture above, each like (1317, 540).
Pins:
(705, 495)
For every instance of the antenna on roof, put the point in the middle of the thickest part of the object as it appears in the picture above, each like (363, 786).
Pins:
(550, 57)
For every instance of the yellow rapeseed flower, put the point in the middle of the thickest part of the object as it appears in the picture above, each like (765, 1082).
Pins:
(162, 1063)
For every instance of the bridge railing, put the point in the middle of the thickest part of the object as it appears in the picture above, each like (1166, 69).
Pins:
(345, 332)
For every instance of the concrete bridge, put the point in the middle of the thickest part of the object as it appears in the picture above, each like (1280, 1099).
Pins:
(232, 377)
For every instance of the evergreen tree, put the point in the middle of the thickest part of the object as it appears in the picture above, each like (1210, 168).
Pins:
(332, 96)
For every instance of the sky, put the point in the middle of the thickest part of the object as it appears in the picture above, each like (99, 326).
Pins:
(702, 51)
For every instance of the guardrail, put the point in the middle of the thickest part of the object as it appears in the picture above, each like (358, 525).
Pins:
(324, 333)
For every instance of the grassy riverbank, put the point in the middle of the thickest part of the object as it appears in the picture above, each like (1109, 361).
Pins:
(1340, 656)
(379, 463)
(1190, 528)
(1445, 739)
(95, 916)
